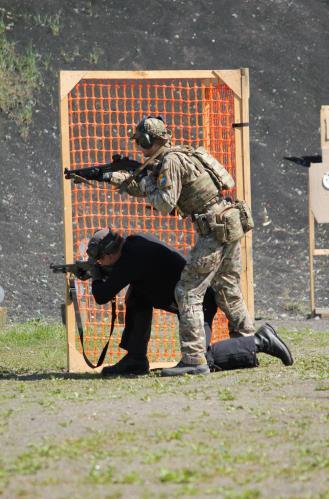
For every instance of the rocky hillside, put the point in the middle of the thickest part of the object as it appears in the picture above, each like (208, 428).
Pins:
(285, 45)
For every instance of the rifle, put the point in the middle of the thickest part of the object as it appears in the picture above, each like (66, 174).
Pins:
(77, 268)
(96, 172)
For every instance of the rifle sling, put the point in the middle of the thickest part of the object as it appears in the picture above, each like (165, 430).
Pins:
(139, 170)
(74, 298)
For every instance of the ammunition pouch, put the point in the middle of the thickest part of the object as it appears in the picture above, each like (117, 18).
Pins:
(202, 223)
(245, 215)
(229, 225)
(229, 228)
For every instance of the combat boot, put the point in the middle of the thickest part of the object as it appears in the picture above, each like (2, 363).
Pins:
(267, 341)
(127, 365)
(183, 368)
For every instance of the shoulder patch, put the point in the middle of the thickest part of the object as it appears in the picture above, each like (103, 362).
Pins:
(163, 181)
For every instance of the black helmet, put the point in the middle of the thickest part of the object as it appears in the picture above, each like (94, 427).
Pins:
(103, 242)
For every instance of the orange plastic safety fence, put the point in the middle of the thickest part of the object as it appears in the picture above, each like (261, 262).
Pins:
(102, 115)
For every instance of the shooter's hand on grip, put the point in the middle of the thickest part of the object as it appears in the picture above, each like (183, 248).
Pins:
(82, 270)
(97, 172)
(116, 178)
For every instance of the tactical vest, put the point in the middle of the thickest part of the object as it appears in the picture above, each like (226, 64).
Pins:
(216, 170)
(212, 178)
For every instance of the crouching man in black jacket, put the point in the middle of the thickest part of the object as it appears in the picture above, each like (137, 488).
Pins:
(152, 269)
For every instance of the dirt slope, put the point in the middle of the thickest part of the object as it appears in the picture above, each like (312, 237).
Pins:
(285, 45)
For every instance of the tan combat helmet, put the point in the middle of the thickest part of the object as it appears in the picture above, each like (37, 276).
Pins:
(148, 129)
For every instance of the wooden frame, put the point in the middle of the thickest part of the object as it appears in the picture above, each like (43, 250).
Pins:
(318, 207)
(243, 184)
(238, 81)
(315, 252)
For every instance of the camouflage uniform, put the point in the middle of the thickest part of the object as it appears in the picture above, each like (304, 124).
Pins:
(209, 262)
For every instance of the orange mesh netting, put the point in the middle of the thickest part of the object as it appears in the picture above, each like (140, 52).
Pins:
(102, 115)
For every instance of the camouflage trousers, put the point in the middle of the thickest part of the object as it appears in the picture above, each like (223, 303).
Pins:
(219, 266)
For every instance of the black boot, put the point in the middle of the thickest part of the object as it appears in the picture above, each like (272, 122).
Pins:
(267, 341)
(182, 368)
(128, 365)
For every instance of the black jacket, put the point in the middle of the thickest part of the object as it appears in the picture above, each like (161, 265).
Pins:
(151, 267)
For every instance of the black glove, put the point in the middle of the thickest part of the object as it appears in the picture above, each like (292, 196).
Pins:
(83, 275)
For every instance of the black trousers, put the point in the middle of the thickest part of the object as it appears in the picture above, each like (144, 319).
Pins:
(235, 353)
(138, 323)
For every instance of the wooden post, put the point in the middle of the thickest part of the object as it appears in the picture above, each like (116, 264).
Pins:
(311, 256)
(318, 204)
(243, 190)
(67, 216)
(3, 317)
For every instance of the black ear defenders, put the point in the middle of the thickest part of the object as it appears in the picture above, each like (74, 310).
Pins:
(109, 243)
(142, 137)
(144, 140)
(100, 247)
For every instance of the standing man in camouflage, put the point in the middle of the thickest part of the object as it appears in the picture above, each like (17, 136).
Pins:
(192, 181)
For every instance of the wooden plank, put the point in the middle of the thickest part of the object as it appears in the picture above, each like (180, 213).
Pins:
(243, 188)
(321, 252)
(322, 312)
(155, 74)
(231, 78)
(239, 182)
(3, 317)
(205, 118)
(78, 364)
(311, 250)
(319, 195)
(67, 215)
(69, 79)
(239, 176)
(247, 185)
(324, 130)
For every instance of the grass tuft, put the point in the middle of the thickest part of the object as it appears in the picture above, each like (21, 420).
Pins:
(19, 80)
(32, 346)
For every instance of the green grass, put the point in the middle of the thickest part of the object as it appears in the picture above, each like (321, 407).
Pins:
(95, 54)
(20, 79)
(47, 21)
(240, 434)
(32, 346)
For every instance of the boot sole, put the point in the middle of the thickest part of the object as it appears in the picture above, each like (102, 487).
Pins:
(283, 343)
(192, 373)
